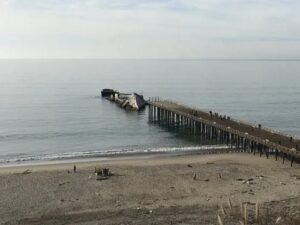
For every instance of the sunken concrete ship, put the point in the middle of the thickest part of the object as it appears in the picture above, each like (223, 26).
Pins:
(128, 101)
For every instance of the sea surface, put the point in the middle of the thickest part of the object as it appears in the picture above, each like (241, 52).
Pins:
(52, 110)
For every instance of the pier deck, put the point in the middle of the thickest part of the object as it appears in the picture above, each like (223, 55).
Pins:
(235, 133)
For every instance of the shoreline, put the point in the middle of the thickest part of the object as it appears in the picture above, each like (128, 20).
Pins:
(122, 159)
(147, 158)
(109, 157)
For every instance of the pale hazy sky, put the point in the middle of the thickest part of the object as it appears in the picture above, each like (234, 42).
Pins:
(149, 29)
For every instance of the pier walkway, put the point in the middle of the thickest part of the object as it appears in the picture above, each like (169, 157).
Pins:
(237, 134)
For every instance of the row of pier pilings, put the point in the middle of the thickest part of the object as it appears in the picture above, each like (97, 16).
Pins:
(234, 141)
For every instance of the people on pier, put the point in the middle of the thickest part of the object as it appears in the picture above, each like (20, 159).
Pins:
(218, 116)
(223, 117)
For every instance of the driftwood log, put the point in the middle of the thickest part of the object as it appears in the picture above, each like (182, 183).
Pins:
(105, 172)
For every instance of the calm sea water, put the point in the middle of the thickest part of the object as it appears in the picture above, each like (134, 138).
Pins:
(52, 109)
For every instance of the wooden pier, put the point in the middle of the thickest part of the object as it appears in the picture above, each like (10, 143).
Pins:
(239, 136)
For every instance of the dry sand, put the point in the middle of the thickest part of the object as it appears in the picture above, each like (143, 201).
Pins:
(158, 190)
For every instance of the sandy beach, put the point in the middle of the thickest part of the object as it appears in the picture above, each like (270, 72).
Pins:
(190, 189)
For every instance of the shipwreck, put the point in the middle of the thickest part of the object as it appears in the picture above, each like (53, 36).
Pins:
(128, 101)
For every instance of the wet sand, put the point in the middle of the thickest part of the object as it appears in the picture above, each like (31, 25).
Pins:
(186, 189)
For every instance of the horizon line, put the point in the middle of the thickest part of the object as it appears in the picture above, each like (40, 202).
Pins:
(181, 59)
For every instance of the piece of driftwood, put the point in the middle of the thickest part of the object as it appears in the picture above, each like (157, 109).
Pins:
(102, 178)
(256, 212)
(28, 171)
(222, 209)
(206, 180)
(240, 179)
(194, 176)
(229, 203)
(219, 220)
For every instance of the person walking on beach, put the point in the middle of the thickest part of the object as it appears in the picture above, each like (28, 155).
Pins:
(74, 168)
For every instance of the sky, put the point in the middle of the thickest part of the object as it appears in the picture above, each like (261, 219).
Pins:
(189, 29)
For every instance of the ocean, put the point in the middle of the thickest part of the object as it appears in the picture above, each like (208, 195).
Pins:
(51, 109)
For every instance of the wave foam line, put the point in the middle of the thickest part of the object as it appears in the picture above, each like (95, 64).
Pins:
(97, 153)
